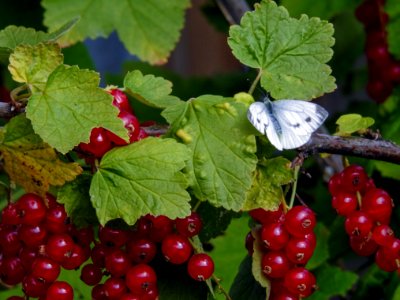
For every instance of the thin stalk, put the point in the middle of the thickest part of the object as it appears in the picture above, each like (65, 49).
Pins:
(255, 82)
(294, 188)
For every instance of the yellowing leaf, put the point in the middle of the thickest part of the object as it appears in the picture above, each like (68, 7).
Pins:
(350, 123)
(30, 162)
(256, 267)
(268, 178)
(33, 64)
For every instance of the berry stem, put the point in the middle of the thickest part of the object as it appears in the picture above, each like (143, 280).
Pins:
(196, 207)
(220, 287)
(294, 188)
(255, 82)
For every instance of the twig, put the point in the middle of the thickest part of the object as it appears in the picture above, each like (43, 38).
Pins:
(233, 10)
(352, 146)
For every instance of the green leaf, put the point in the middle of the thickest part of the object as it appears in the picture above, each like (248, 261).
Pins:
(70, 106)
(30, 162)
(141, 178)
(137, 23)
(33, 64)
(321, 252)
(322, 9)
(217, 131)
(13, 36)
(266, 189)
(245, 287)
(76, 200)
(393, 27)
(350, 123)
(228, 250)
(152, 91)
(215, 220)
(333, 281)
(290, 53)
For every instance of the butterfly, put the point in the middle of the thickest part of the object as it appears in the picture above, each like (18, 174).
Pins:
(288, 124)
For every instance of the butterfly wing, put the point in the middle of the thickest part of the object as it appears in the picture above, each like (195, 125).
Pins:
(298, 120)
(260, 117)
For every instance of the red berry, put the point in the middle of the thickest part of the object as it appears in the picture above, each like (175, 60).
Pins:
(300, 281)
(46, 269)
(300, 220)
(99, 292)
(140, 278)
(358, 224)
(335, 183)
(91, 274)
(32, 235)
(200, 266)
(120, 100)
(99, 253)
(28, 256)
(11, 270)
(115, 288)
(99, 143)
(378, 205)
(267, 216)
(161, 226)
(60, 290)
(387, 264)
(299, 250)
(32, 209)
(141, 250)
(10, 214)
(354, 178)
(176, 248)
(9, 240)
(56, 219)
(379, 90)
(75, 258)
(189, 226)
(117, 263)
(59, 247)
(363, 246)
(34, 287)
(275, 264)
(392, 250)
(112, 237)
(344, 203)
(274, 236)
(383, 235)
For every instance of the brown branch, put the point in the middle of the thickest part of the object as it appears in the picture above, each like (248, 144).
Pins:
(352, 146)
(233, 10)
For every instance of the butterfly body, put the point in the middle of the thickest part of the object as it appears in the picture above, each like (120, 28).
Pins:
(288, 124)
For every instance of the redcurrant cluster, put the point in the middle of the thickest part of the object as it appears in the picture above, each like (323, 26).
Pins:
(367, 210)
(36, 241)
(384, 70)
(126, 255)
(288, 242)
(102, 140)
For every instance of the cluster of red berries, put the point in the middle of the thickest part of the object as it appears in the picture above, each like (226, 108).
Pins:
(367, 210)
(288, 242)
(36, 241)
(102, 140)
(126, 255)
(384, 70)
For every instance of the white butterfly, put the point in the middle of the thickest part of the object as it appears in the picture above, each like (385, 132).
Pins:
(288, 124)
